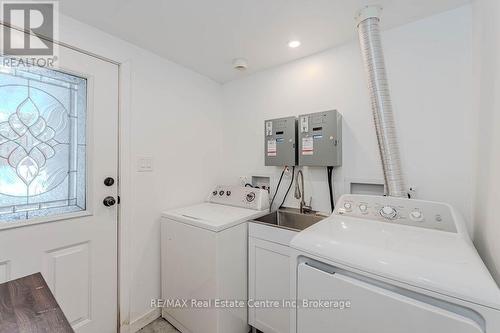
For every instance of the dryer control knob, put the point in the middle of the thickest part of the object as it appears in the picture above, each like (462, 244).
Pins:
(363, 208)
(388, 212)
(417, 216)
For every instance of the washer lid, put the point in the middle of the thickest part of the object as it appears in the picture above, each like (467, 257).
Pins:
(439, 261)
(213, 216)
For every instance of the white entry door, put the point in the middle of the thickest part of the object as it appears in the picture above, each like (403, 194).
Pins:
(58, 144)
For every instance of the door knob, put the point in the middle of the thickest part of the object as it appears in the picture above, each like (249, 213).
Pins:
(109, 181)
(109, 201)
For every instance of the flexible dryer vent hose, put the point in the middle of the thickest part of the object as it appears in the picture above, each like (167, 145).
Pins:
(373, 58)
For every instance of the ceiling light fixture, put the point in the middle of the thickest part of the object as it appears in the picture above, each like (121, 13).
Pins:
(294, 44)
(240, 64)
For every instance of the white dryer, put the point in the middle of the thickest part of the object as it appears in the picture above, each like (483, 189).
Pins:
(391, 265)
(204, 261)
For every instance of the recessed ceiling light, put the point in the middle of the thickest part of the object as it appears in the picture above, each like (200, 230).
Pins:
(240, 64)
(294, 43)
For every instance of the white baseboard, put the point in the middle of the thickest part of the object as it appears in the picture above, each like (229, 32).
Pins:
(145, 320)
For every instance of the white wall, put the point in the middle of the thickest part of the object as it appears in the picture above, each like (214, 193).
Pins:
(487, 222)
(176, 119)
(430, 74)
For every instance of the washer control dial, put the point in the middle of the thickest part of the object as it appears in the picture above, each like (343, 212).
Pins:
(363, 208)
(251, 196)
(416, 215)
(348, 206)
(388, 212)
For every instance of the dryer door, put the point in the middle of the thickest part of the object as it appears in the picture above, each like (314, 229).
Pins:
(335, 302)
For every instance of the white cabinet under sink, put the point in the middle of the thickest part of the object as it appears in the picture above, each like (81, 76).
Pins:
(269, 276)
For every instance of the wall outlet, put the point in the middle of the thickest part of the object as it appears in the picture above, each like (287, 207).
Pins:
(145, 164)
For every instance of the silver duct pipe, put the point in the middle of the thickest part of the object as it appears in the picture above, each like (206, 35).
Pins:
(373, 58)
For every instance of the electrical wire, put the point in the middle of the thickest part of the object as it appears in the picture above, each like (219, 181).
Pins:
(329, 171)
(277, 189)
(289, 187)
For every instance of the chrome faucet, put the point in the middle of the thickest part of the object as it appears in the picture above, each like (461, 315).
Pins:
(300, 194)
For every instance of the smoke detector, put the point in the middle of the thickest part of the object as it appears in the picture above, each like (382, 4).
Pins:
(240, 64)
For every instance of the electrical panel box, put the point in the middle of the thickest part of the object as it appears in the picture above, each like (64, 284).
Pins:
(320, 139)
(280, 142)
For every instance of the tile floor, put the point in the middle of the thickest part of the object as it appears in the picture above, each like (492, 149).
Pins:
(160, 325)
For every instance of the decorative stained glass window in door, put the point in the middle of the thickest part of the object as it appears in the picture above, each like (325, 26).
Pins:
(42, 143)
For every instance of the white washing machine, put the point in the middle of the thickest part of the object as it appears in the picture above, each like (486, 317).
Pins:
(204, 259)
(391, 265)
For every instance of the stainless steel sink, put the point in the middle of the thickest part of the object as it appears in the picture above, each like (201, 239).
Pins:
(290, 218)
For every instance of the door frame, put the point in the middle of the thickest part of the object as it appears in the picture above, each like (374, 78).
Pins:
(124, 184)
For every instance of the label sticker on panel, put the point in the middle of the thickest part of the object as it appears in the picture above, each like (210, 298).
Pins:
(307, 146)
(269, 128)
(271, 147)
(304, 124)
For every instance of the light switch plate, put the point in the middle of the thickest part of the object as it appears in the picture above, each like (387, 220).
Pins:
(145, 164)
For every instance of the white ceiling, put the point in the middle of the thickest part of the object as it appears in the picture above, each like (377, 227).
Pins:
(206, 35)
